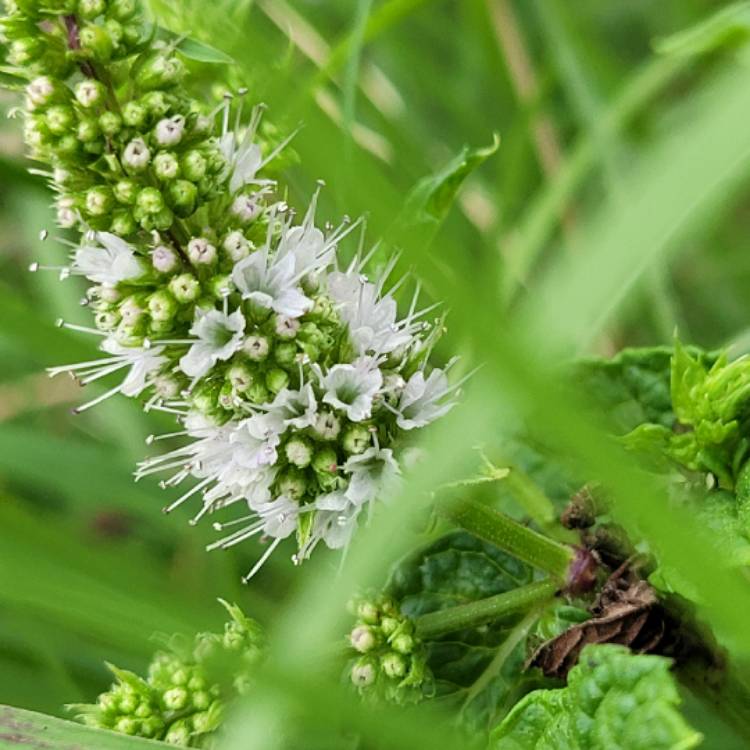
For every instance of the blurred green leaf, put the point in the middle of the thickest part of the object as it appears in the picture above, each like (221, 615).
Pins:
(194, 49)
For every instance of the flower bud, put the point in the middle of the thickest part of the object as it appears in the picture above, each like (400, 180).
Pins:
(299, 451)
(185, 288)
(99, 201)
(160, 70)
(42, 92)
(89, 93)
(162, 220)
(123, 223)
(169, 131)
(25, 51)
(389, 625)
(194, 165)
(357, 439)
(368, 612)
(236, 246)
(325, 462)
(403, 643)
(327, 425)
(292, 483)
(285, 327)
(115, 31)
(88, 130)
(126, 191)
(393, 665)
(60, 118)
(201, 252)
(240, 376)
(362, 639)
(256, 347)
(221, 285)
(122, 10)
(164, 259)
(156, 103)
(106, 321)
(126, 725)
(166, 386)
(66, 214)
(134, 115)
(68, 147)
(162, 306)
(285, 353)
(96, 42)
(90, 9)
(150, 200)
(257, 393)
(110, 123)
(178, 734)
(246, 208)
(131, 311)
(165, 166)
(183, 197)
(276, 380)
(136, 156)
(363, 673)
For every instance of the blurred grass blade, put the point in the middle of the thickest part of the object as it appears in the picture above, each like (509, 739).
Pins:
(19, 728)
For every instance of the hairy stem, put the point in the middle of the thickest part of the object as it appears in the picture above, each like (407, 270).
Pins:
(511, 536)
(486, 610)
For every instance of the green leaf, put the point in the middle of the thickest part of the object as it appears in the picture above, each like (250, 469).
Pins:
(614, 699)
(193, 49)
(729, 26)
(19, 728)
(458, 569)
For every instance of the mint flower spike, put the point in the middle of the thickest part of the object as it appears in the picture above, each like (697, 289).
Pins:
(296, 382)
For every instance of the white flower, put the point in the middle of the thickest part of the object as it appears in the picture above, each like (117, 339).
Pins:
(279, 516)
(295, 408)
(334, 528)
(271, 283)
(142, 363)
(244, 159)
(254, 442)
(136, 154)
(164, 259)
(236, 245)
(311, 250)
(352, 388)
(201, 251)
(110, 264)
(219, 337)
(423, 400)
(371, 319)
(169, 131)
(371, 472)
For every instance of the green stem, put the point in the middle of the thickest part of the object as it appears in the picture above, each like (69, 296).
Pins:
(511, 536)
(485, 610)
(529, 496)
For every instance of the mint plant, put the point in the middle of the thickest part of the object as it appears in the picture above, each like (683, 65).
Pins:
(300, 372)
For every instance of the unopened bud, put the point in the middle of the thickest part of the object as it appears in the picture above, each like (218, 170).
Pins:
(90, 9)
(185, 288)
(110, 123)
(299, 452)
(126, 191)
(89, 93)
(256, 347)
(403, 643)
(136, 156)
(164, 259)
(240, 377)
(236, 246)
(363, 673)
(161, 306)
(327, 425)
(99, 201)
(59, 119)
(165, 166)
(276, 380)
(169, 131)
(123, 223)
(285, 353)
(201, 251)
(393, 665)
(134, 115)
(285, 327)
(96, 42)
(246, 208)
(362, 639)
(194, 165)
(293, 484)
(325, 462)
(182, 196)
(150, 200)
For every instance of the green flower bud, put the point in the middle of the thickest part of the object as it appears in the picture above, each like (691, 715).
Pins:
(134, 115)
(182, 197)
(126, 725)
(285, 354)
(131, 310)
(178, 734)
(115, 31)
(240, 376)
(156, 103)
(96, 42)
(162, 306)
(165, 166)
(357, 439)
(122, 10)
(159, 71)
(236, 246)
(221, 285)
(106, 321)
(205, 721)
(144, 710)
(88, 130)
(256, 347)
(151, 726)
(185, 288)
(257, 393)
(99, 201)
(90, 9)
(126, 191)
(60, 118)
(299, 451)
(327, 425)
(363, 673)
(110, 123)
(276, 380)
(162, 220)
(362, 639)
(367, 611)
(201, 700)
(25, 51)
(389, 625)
(325, 461)
(90, 93)
(164, 259)
(285, 327)
(123, 223)
(393, 665)
(403, 643)
(194, 165)
(45, 91)
(136, 155)
(150, 201)
(292, 483)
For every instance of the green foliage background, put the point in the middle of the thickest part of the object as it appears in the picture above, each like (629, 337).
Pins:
(614, 210)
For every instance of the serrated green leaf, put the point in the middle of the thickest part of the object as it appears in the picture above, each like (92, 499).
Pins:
(19, 728)
(614, 700)
(729, 26)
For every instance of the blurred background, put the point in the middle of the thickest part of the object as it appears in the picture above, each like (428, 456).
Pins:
(389, 92)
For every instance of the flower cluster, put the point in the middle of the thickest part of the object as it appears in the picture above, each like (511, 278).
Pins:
(182, 699)
(391, 661)
(294, 376)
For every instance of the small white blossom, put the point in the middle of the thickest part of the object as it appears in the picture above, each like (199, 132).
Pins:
(40, 90)
(423, 400)
(371, 472)
(136, 154)
(219, 337)
(297, 409)
(114, 261)
(236, 245)
(246, 208)
(164, 259)
(169, 131)
(352, 388)
(201, 251)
